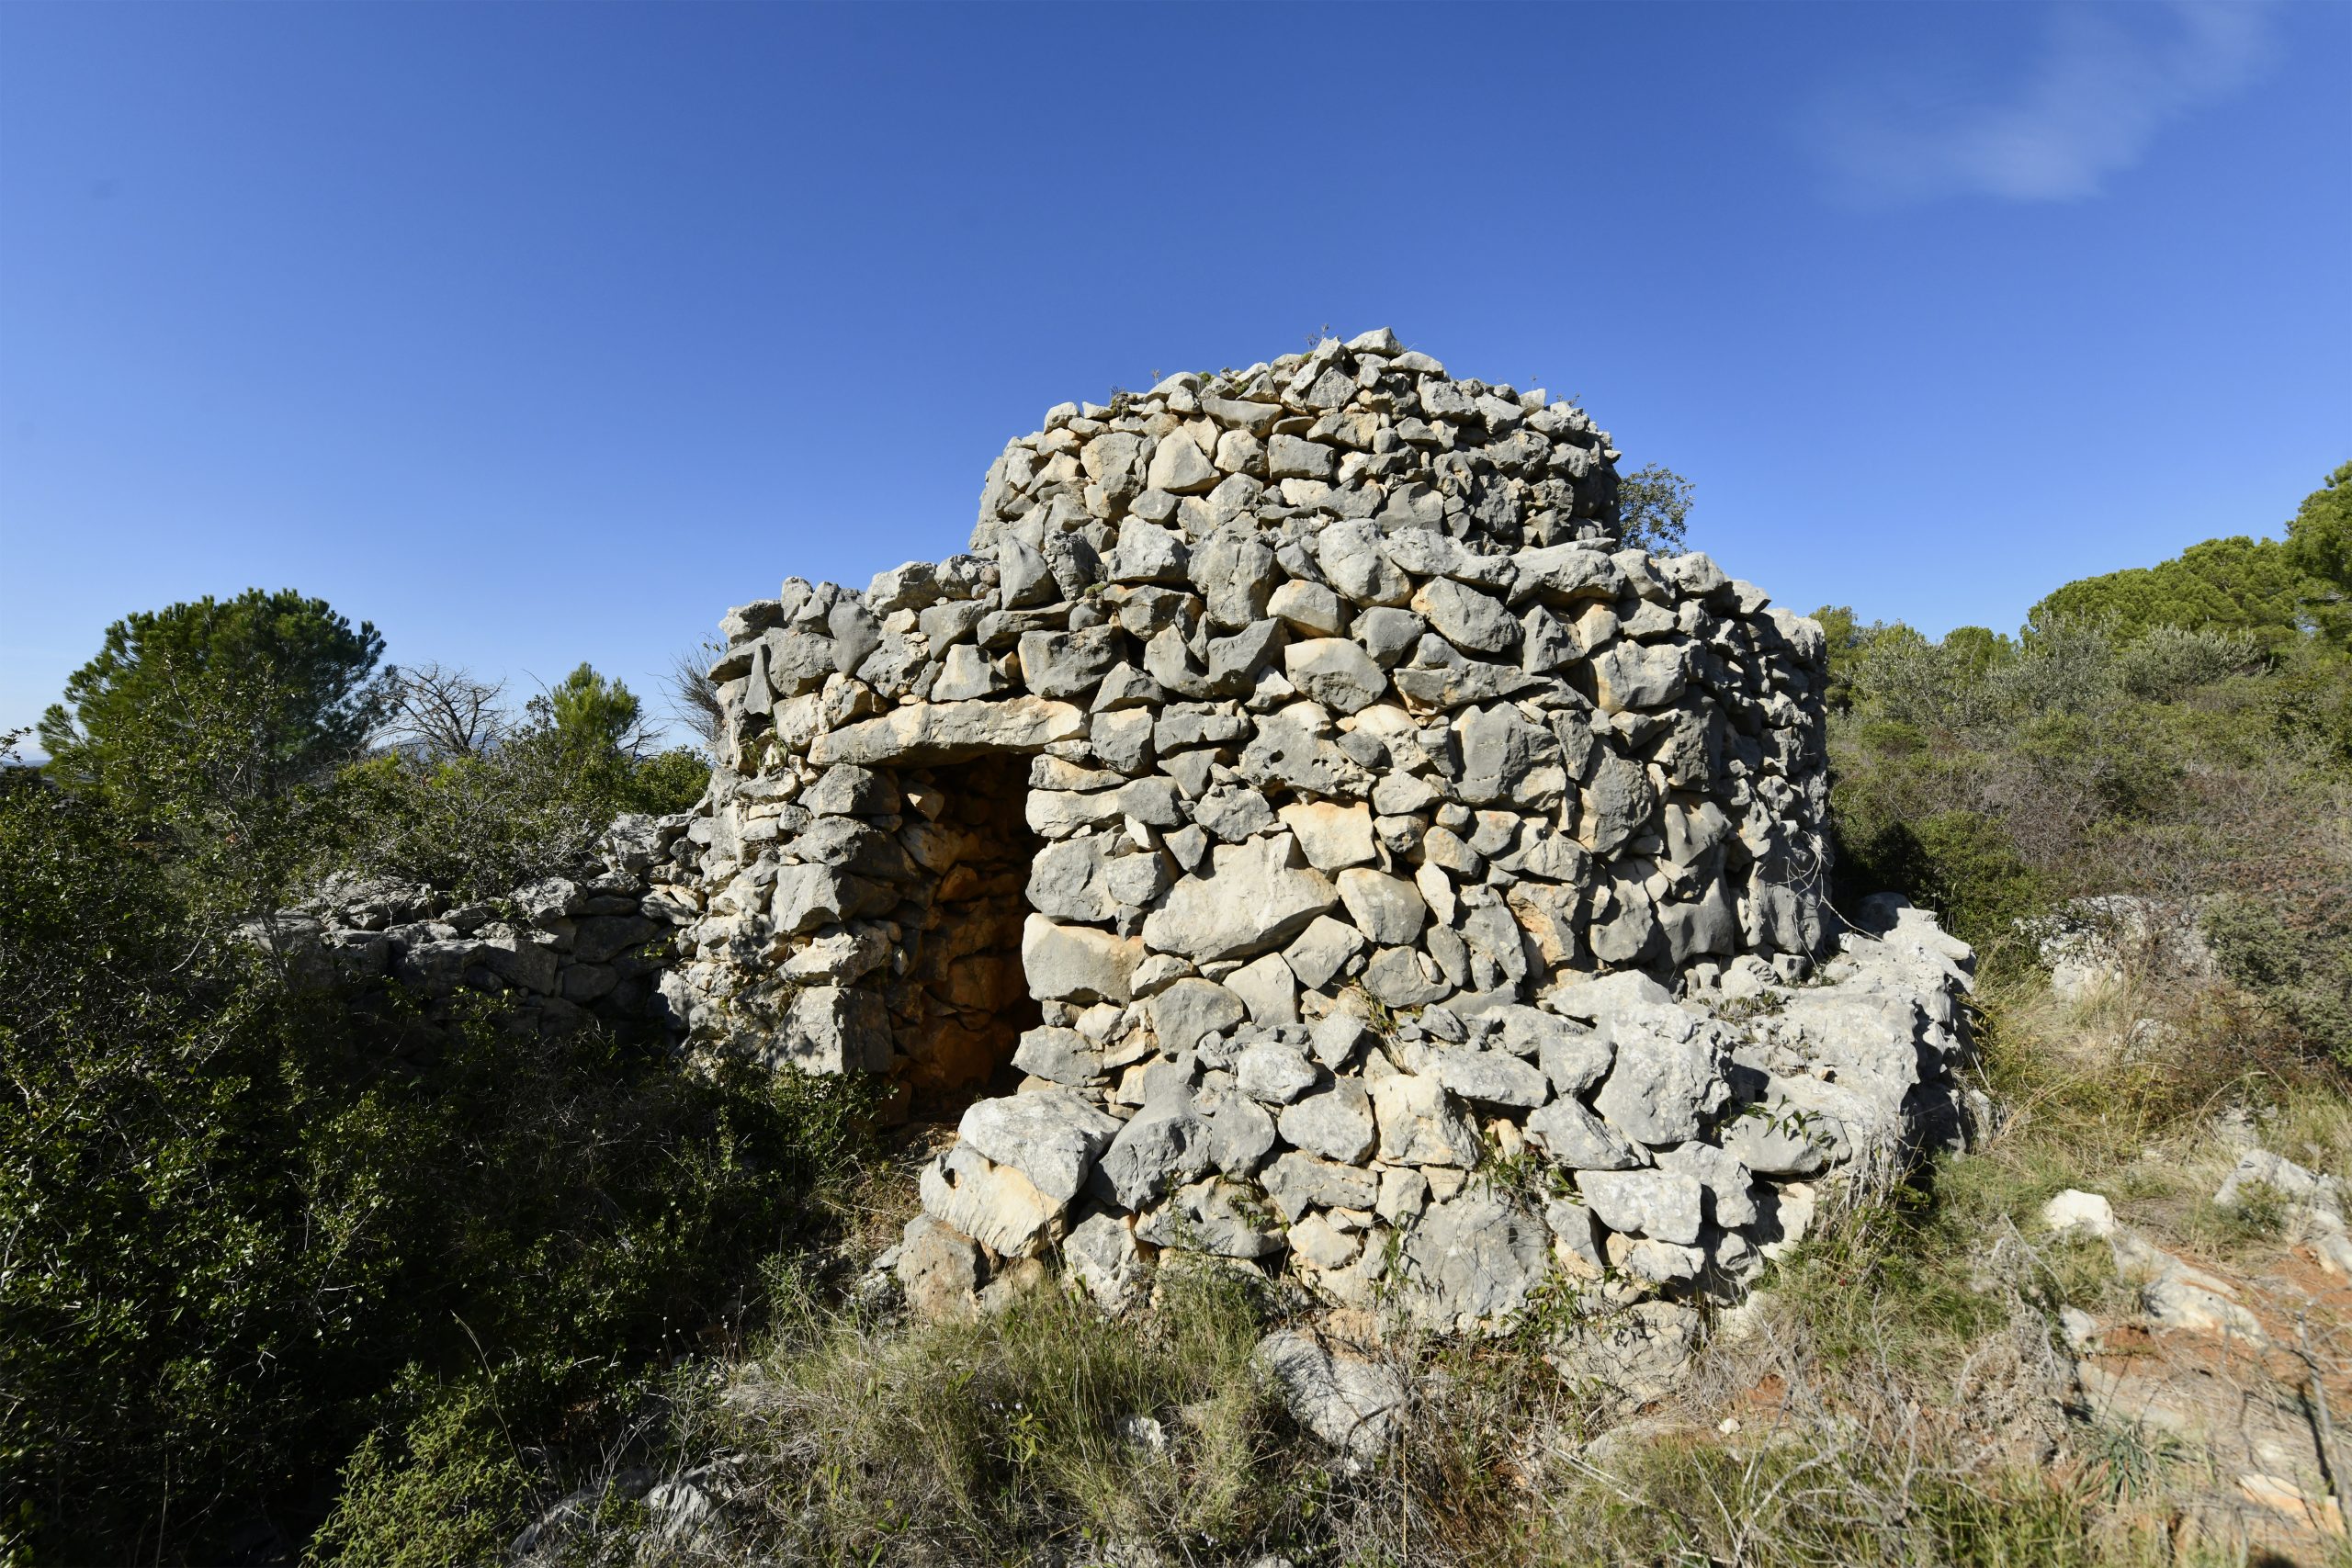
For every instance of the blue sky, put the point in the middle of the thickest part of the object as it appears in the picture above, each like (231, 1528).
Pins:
(542, 333)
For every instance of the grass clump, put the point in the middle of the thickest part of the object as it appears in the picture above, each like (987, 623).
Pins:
(978, 1441)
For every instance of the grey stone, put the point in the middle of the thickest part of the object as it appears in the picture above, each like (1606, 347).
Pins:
(1102, 1255)
(1400, 977)
(1077, 963)
(1336, 1036)
(1578, 1140)
(1661, 1204)
(834, 1028)
(1235, 813)
(1241, 1133)
(918, 733)
(1298, 1182)
(1355, 565)
(1730, 1202)
(1630, 676)
(1273, 1072)
(1062, 1054)
(1389, 634)
(1352, 1403)
(1147, 553)
(1667, 1078)
(1322, 951)
(1235, 573)
(1419, 1125)
(1218, 1216)
(1471, 1262)
(1287, 457)
(1335, 671)
(940, 1270)
(1258, 896)
(1162, 1146)
(1507, 759)
(1180, 467)
(1067, 882)
(1268, 988)
(1336, 1122)
(1388, 909)
(1491, 1077)
(1308, 608)
(1070, 664)
(1052, 1137)
(1465, 617)
(1190, 1009)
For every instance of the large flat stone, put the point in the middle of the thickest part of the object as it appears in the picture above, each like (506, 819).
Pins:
(950, 732)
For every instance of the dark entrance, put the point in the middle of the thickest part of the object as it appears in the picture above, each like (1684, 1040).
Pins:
(960, 1005)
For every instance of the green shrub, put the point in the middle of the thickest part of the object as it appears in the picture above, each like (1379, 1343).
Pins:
(2295, 955)
(1962, 865)
(238, 1212)
(451, 1494)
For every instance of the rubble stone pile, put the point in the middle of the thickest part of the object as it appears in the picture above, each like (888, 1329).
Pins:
(1314, 840)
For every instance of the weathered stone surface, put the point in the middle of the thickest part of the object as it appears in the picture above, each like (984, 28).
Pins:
(1052, 1137)
(1335, 1122)
(1268, 988)
(1077, 963)
(939, 1268)
(1332, 837)
(1662, 1204)
(1471, 1262)
(1102, 1256)
(1272, 1072)
(1298, 1182)
(1491, 1077)
(1387, 909)
(1217, 1215)
(1322, 951)
(1352, 1404)
(948, 732)
(1256, 895)
(1335, 671)
(1470, 620)
(1162, 1146)
(1419, 1125)
(1062, 1054)
(1189, 1009)
(832, 1029)
(995, 1205)
(1578, 1139)
(1667, 1075)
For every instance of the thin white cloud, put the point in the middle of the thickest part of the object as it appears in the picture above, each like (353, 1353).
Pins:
(2100, 88)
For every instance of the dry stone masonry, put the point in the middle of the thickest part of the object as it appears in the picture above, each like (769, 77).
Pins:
(1295, 809)
(567, 950)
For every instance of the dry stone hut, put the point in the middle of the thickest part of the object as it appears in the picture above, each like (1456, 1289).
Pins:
(1294, 801)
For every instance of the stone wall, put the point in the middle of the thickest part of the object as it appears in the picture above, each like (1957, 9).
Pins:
(1387, 818)
(589, 945)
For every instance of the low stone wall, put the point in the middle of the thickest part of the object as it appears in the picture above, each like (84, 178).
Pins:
(589, 945)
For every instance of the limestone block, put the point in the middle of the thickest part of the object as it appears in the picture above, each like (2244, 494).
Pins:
(1077, 963)
(1257, 896)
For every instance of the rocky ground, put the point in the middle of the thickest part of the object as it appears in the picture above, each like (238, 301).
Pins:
(2114, 1333)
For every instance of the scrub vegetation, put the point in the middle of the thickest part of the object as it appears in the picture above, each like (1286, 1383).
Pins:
(293, 1275)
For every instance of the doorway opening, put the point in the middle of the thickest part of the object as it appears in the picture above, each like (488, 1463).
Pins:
(959, 1008)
